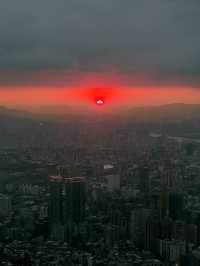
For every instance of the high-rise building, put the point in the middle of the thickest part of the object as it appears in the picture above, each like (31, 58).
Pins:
(152, 234)
(144, 181)
(5, 203)
(55, 209)
(56, 197)
(139, 218)
(172, 250)
(66, 205)
(176, 205)
(74, 199)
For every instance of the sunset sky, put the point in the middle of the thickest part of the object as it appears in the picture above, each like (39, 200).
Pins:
(130, 52)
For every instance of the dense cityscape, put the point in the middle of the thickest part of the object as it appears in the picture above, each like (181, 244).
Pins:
(100, 133)
(116, 196)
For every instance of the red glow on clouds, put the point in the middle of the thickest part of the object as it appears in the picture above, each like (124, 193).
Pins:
(111, 98)
(111, 91)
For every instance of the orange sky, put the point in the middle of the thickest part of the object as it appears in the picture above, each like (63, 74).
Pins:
(114, 97)
(81, 90)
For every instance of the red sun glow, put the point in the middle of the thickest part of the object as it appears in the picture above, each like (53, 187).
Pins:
(99, 101)
(106, 97)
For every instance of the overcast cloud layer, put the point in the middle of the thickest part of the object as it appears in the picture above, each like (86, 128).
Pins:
(159, 37)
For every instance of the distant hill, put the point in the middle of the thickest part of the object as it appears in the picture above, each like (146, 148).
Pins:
(17, 127)
(170, 112)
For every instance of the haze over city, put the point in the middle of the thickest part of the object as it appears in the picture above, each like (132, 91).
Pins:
(99, 133)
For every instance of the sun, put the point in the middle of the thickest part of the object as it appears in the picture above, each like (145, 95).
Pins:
(100, 101)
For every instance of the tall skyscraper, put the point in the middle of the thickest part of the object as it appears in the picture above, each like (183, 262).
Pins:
(74, 199)
(176, 205)
(56, 198)
(55, 210)
(144, 181)
(66, 205)
(5, 203)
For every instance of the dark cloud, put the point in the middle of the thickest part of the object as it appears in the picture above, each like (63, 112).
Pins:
(157, 37)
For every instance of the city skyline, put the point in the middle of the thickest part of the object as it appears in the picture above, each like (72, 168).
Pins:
(99, 133)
